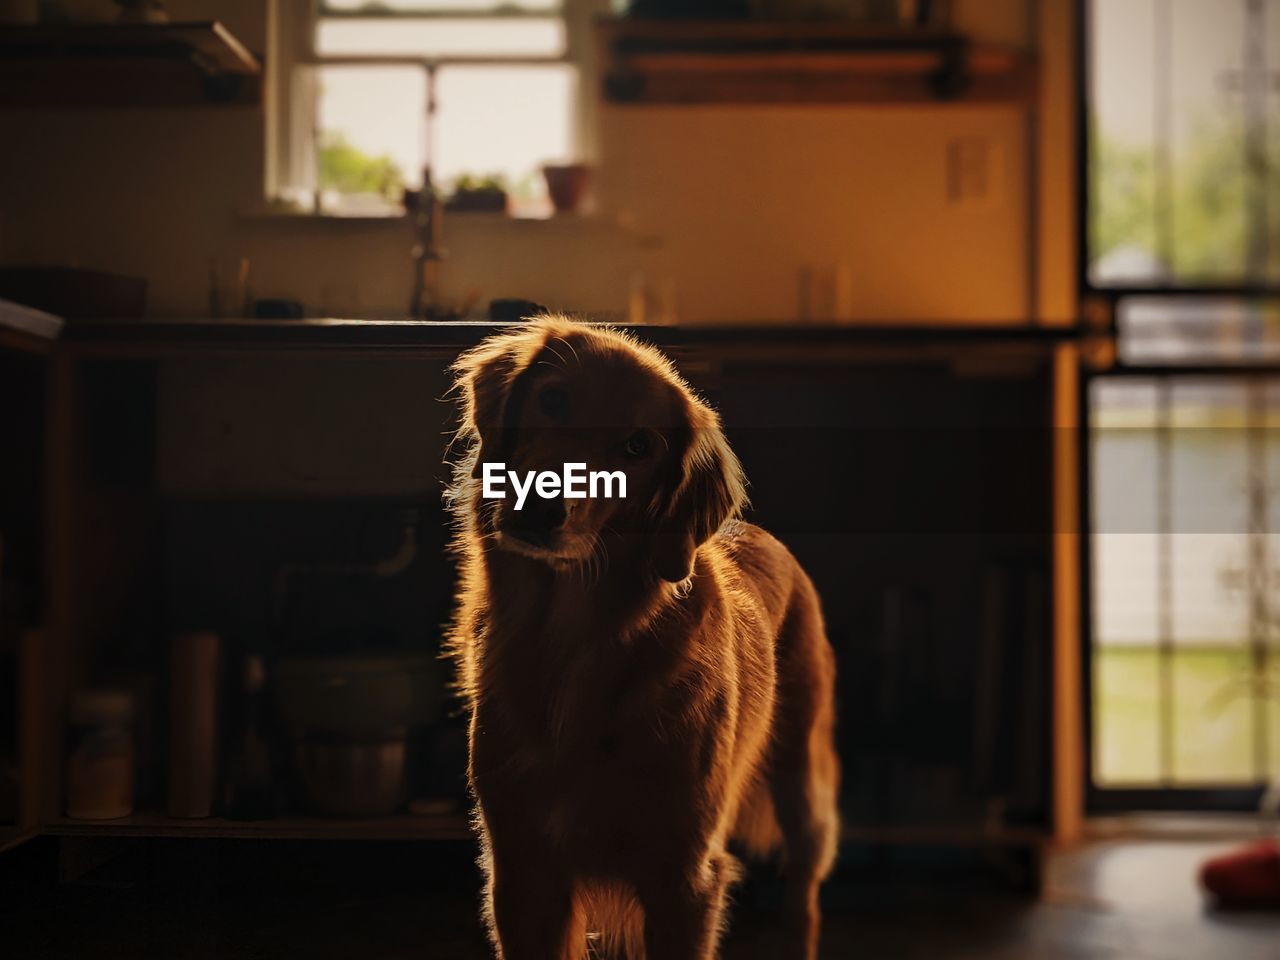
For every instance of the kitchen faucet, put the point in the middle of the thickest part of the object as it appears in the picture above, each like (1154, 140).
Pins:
(428, 215)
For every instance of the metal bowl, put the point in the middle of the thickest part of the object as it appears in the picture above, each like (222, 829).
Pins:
(342, 778)
(358, 698)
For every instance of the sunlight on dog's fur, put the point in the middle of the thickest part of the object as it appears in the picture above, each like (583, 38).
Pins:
(647, 678)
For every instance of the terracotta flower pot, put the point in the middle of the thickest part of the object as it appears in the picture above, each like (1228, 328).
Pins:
(567, 185)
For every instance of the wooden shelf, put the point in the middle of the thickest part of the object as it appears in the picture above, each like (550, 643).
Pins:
(100, 65)
(763, 62)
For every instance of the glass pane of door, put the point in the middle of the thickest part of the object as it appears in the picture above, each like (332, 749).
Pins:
(1185, 553)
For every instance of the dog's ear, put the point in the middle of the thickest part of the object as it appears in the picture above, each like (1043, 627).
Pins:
(710, 489)
(487, 378)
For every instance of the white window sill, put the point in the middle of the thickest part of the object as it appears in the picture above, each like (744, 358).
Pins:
(563, 220)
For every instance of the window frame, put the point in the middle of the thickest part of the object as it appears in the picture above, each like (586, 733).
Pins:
(1100, 308)
(1102, 300)
(1123, 798)
(292, 104)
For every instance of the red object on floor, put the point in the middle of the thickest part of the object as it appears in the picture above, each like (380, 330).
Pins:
(1246, 877)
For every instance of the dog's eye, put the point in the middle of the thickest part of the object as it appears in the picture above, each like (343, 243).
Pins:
(637, 446)
(554, 401)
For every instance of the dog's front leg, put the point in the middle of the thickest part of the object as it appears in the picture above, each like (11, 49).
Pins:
(532, 914)
(682, 919)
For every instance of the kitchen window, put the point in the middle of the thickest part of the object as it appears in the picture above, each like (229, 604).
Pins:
(473, 94)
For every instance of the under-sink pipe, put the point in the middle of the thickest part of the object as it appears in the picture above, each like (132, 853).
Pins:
(389, 566)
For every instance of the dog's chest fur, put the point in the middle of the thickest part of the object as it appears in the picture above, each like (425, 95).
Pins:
(563, 688)
(580, 722)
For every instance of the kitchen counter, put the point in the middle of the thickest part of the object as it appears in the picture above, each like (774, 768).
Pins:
(210, 444)
(164, 335)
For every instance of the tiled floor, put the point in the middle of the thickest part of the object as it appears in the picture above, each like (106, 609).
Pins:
(1112, 901)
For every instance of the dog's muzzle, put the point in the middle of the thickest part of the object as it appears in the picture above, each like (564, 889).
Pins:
(538, 523)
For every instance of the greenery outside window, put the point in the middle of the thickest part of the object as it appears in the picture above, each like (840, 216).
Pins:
(468, 93)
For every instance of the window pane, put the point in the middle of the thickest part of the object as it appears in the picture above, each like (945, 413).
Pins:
(1273, 712)
(503, 122)
(1213, 717)
(370, 133)
(1122, 242)
(1208, 551)
(533, 37)
(1181, 98)
(1126, 738)
(507, 121)
(1125, 547)
(1181, 597)
(1198, 329)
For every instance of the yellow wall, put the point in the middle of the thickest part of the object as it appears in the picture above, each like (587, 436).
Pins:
(724, 206)
(742, 197)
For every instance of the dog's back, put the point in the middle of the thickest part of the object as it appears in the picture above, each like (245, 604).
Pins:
(793, 805)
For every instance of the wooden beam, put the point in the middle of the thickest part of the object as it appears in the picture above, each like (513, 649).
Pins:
(1057, 298)
(33, 730)
(778, 62)
(809, 87)
(63, 466)
(153, 65)
(1068, 690)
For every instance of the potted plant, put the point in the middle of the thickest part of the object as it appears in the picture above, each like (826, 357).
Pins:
(478, 194)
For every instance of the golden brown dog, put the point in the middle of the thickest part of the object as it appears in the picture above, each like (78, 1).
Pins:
(647, 677)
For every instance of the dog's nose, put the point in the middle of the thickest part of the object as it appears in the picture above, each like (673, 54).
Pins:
(538, 521)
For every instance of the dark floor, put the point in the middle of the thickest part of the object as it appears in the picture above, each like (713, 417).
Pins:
(175, 900)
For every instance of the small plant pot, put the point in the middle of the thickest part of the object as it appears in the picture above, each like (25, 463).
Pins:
(477, 201)
(567, 185)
